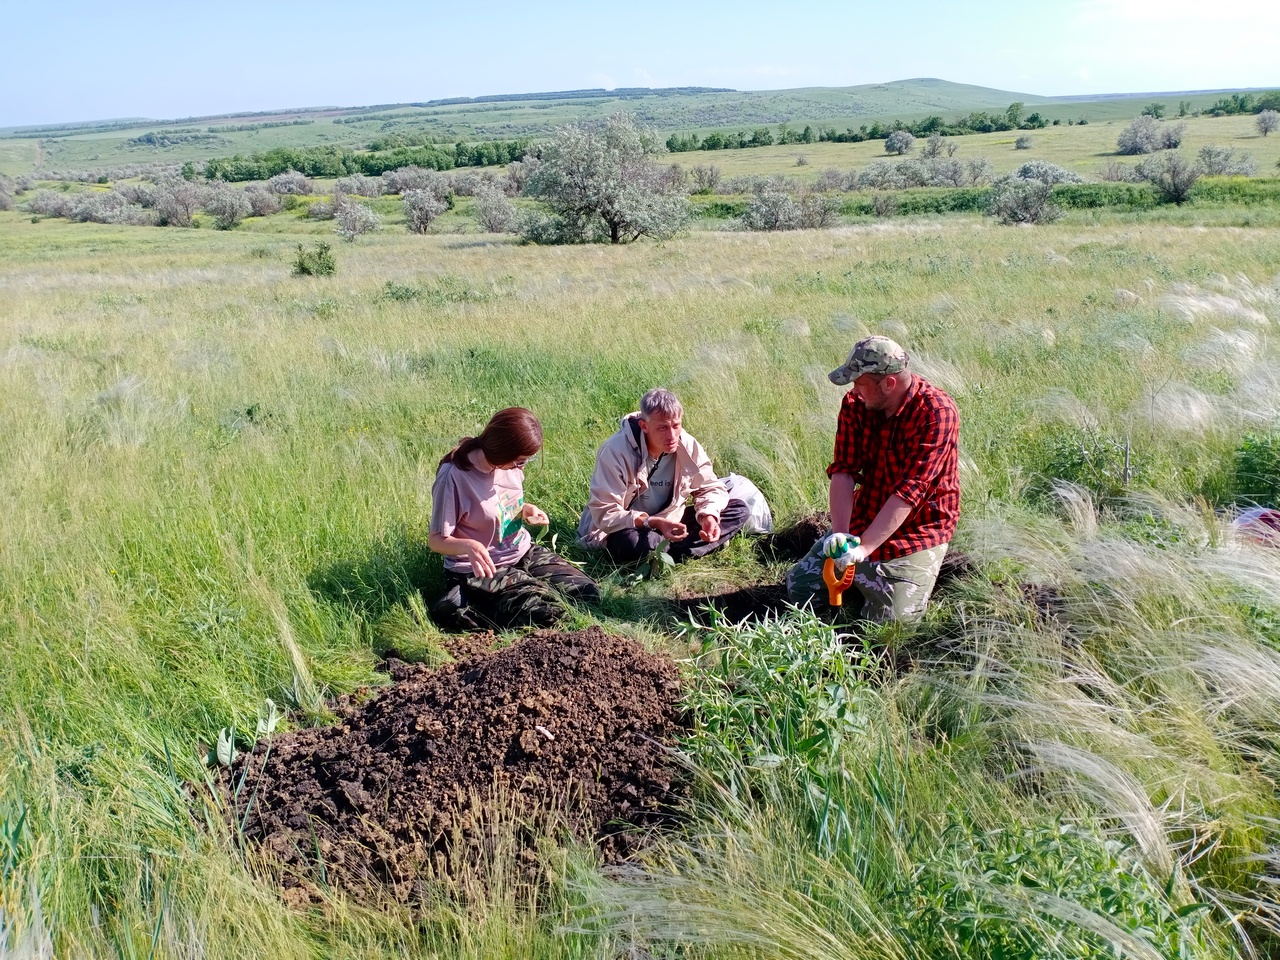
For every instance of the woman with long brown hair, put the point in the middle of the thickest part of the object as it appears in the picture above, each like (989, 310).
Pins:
(494, 573)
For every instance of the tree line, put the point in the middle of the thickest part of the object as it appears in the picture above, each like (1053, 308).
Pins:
(1014, 117)
(327, 161)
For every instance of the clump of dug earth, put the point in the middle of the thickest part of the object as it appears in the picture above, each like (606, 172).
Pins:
(582, 723)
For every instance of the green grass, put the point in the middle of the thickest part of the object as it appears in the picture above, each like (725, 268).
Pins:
(1084, 149)
(217, 486)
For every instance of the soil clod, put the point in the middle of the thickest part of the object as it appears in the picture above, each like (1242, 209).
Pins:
(580, 723)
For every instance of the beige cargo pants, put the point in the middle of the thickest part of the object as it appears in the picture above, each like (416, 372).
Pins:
(897, 589)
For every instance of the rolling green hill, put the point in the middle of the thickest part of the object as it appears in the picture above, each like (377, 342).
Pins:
(120, 142)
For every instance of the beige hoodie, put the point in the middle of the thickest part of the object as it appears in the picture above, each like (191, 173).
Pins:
(622, 471)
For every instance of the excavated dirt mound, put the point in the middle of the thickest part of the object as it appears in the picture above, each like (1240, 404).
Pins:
(578, 722)
(791, 543)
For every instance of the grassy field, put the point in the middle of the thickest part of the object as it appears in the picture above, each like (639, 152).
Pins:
(1084, 149)
(702, 112)
(217, 483)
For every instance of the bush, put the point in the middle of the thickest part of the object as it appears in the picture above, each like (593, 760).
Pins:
(832, 179)
(1022, 143)
(494, 211)
(143, 194)
(1146, 134)
(1172, 175)
(541, 227)
(772, 208)
(177, 200)
(1268, 120)
(978, 170)
(316, 262)
(108, 206)
(935, 146)
(262, 203)
(290, 182)
(360, 185)
(1115, 172)
(1215, 161)
(518, 174)
(1081, 196)
(325, 209)
(1237, 190)
(227, 206)
(48, 203)
(884, 204)
(420, 208)
(1171, 135)
(352, 219)
(1015, 201)
(407, 178)
(819, 210)
(925, 173)
(706, 179)
(943, 200)
(471, 182)
(1046, 172)
(881, 176)
(6, 198)
(899, 142)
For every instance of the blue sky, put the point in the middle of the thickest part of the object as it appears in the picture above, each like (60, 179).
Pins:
(88, 61)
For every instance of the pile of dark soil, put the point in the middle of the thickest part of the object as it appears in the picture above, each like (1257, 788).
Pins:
(792, 542)
(579, 722)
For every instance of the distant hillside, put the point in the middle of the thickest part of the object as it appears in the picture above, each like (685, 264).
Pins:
(506, 116)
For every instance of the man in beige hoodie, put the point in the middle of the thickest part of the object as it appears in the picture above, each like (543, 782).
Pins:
(645, 475)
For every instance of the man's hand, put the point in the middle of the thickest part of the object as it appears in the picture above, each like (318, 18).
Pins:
(535, 515)
(669, 528)
(710, 527)
(477, 555)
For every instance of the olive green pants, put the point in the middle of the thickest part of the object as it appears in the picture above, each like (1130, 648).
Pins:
(530, 592)
(895, 589)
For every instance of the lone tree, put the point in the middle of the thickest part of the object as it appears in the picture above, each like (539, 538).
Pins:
(600, 182)
(899, 142)
(1267, 121)
(352, 219)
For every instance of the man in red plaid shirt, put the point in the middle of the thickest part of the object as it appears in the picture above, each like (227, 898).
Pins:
(894, 484)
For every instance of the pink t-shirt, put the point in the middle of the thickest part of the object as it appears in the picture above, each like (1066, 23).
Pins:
(486, 507)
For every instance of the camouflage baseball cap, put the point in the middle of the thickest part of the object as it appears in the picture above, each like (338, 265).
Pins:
(870, 355)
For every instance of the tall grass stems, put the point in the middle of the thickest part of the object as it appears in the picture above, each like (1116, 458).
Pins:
(216, 486)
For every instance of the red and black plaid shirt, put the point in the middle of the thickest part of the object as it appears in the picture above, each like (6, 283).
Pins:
(913, 454)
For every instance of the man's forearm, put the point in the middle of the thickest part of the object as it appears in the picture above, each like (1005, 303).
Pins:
(840, 501)
(891, 516)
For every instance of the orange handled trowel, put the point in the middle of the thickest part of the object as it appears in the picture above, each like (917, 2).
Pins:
(837, 546)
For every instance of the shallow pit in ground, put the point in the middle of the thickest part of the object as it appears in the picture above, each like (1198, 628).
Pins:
(581, 723)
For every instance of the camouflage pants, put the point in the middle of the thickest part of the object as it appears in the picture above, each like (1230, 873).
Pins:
(895, 589)
(530, 592)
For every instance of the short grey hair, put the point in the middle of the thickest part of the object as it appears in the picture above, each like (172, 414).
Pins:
(660, 400)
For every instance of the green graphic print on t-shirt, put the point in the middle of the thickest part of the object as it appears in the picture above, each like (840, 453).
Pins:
(511, 507)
